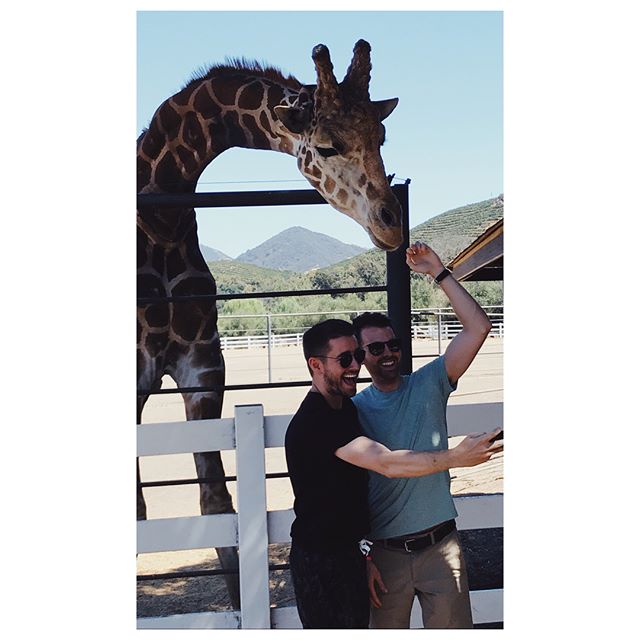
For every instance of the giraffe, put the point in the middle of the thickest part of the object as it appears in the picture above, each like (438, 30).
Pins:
(333, 129)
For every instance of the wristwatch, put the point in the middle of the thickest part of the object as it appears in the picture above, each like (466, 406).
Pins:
(441, 276)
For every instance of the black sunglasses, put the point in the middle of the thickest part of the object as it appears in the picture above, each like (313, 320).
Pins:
(345, 359)
(376, 348)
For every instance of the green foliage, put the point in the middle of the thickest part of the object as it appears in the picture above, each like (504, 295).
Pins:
(423, 292)
(238, 326)
(448, 234)
(324, 279)
(239, 277)
(487, 294)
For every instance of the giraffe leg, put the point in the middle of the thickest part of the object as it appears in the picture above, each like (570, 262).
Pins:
(141, 505)
(147, 379)
(214, 496)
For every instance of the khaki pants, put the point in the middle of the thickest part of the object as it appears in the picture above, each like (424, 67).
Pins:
(437, 575)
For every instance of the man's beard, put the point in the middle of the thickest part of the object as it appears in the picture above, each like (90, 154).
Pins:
(335, 386)
(387, 374)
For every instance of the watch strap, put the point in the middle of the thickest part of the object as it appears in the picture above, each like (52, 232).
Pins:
(441, 276)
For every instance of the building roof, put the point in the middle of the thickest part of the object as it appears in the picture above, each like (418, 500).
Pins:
(483, 258)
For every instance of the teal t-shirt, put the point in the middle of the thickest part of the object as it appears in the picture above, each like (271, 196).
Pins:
(414, 416)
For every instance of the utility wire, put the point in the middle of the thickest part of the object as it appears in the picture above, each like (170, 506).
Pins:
(275, 181)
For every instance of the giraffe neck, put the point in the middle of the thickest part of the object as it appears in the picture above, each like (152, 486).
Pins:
(226, 108)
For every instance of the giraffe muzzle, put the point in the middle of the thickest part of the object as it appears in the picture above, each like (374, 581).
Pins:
(386, 231)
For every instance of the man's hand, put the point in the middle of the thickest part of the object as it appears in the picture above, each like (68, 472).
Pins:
(476, 448)
(374, 577)
(423, 259)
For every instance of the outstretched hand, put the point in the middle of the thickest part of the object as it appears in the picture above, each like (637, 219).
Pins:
(423, 259)
(477, 448)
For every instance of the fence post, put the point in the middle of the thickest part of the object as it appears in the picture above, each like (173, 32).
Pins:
(269, 344)
(399, 284)
(252, 517)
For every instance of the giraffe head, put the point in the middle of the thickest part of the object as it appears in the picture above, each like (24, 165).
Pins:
(340, 133)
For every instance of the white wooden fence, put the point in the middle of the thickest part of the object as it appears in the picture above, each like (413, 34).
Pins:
(274, 340)
(443, 326)
(446, 331)
(253, 527)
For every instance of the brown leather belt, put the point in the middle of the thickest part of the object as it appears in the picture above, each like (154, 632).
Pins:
(421, 539)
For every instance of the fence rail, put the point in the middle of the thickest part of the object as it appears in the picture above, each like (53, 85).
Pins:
(419, 330)
(439, 328)
(254, 527)
(274, 340)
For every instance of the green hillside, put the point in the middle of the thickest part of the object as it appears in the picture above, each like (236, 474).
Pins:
(451, 231)
(448, 233)
(240, 277)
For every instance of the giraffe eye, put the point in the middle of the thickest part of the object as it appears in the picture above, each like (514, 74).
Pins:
(327, 152)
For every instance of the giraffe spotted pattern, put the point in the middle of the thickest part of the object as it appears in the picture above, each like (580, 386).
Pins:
(335, 132)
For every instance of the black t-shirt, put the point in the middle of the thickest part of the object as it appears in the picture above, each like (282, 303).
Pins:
(330, 494)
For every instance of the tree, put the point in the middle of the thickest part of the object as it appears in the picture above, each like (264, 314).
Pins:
(239, 326)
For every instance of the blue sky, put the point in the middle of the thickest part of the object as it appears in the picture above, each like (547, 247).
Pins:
(445, 134)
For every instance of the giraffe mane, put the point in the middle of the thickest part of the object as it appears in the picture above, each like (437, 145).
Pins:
(233, 66)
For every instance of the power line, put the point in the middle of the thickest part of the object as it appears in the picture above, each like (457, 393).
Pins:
(246, 181)
(203, 182)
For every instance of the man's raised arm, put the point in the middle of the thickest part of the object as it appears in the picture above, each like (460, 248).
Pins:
(475, 322)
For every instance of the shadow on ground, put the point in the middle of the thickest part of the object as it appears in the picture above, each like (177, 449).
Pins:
(167, 597)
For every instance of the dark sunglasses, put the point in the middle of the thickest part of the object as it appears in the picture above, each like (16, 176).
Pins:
(376, 348)
(345, 359)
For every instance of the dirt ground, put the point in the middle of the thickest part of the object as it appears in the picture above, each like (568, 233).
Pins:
(483, 382)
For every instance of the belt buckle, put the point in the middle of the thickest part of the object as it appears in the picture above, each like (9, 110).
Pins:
(405, 544)
(431, 535)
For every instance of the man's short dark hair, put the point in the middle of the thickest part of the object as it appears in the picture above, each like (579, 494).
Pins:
(315, 341)
(369, 319)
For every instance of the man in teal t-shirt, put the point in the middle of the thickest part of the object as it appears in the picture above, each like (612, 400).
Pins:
(416, 546)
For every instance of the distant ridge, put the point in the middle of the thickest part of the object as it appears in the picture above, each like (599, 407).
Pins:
(212, 255)
(298, 249)
(450, 232)
(447, 234)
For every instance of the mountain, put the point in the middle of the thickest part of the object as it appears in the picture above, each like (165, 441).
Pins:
(448, 233)
(211, 255)
(298, 249)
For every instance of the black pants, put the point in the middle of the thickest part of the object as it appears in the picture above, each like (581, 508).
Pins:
(331, 588)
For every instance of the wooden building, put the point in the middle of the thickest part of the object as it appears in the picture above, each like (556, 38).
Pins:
(483, 258)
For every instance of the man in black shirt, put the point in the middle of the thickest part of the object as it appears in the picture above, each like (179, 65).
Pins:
(327, 457)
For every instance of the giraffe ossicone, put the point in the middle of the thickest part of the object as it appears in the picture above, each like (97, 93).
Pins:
(340, 133)
(333, 129)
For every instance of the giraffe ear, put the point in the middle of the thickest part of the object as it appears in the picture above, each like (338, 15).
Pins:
(306, 93)
(295, 119)
(385, 107)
